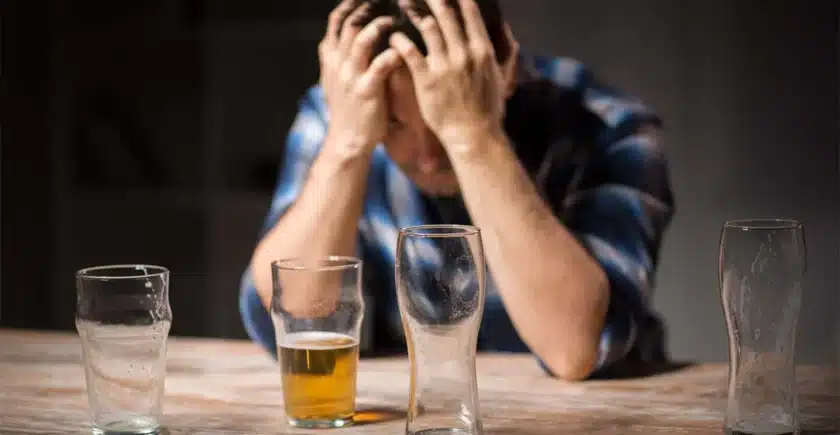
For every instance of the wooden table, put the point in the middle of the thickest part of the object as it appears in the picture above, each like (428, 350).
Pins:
(232, 387)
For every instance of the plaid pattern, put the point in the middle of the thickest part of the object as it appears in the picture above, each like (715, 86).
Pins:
(605, 177)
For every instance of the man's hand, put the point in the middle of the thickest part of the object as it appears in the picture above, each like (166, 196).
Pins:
(460, 86)
(354, 86)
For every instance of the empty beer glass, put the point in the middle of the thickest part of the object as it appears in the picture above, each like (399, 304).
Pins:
(762, 265)
(317, 310)
(123, 319)
(440, 274)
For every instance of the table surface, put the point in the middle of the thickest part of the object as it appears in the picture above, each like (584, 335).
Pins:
(233, 387)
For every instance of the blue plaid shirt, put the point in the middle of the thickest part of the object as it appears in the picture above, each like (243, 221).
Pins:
(594, 154)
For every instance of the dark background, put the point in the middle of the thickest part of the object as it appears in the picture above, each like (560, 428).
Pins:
(150, 131)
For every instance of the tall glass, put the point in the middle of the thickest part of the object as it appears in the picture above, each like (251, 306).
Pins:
(762, 266)
(317, 310)
(123, 318)
(440, 274)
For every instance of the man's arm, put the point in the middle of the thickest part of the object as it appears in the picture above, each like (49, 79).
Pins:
(577, 302)
(317, 206)
(314, 212)
(554, 292)
(573, 293)
(318, 202)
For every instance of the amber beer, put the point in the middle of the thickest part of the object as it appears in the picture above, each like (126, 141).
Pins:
(319, 378)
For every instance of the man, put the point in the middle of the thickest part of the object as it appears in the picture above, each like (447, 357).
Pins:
(426, 112)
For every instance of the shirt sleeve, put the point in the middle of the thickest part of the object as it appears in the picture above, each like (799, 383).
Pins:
(303, 143)
(621, 204)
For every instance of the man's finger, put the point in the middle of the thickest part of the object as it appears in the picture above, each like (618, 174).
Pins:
(350, 28)
(409, 53)
(474, 24)
(448, 23)
(379, 69)
(430, 32)
(510, 63)
(514, 44)
(337, 16)
(363, 45)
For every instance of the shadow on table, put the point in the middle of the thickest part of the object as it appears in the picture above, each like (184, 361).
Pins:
(642, 370)
(373, 415)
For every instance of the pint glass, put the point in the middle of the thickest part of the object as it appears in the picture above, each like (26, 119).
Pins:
(123, 319)
(317, 310)
(762, 269)
(440, 275)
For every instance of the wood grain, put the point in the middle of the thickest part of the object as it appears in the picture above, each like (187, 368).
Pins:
(231, 387)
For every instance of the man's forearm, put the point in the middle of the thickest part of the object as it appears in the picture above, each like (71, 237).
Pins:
(324, 219)
(554, 291)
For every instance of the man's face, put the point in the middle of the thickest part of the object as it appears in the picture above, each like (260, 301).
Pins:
(411, 144)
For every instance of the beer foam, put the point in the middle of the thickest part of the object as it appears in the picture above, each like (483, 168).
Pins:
(320, 340)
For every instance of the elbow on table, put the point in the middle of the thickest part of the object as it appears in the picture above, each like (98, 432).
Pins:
(571, 366)
(577, 357)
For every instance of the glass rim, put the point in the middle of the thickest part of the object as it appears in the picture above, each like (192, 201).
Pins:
(149, 271)
(330, 263)
(440, 231)
(763, 224)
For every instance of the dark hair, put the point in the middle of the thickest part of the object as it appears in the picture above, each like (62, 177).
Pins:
(491, 13)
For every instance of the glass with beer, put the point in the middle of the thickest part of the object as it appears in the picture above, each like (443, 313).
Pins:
(317, 310)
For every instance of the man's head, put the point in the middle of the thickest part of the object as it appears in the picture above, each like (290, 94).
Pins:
(410, 143)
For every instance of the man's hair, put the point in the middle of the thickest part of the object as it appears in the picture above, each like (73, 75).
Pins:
(398, 9)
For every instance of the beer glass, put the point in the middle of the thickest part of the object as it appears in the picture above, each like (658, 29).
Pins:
(440, 276)
(762, 266)
(317, 310)
(123, 319)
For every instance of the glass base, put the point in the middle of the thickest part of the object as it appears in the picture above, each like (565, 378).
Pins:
(134, 426)
(303, 423)
(760, 428)
(438, 432)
